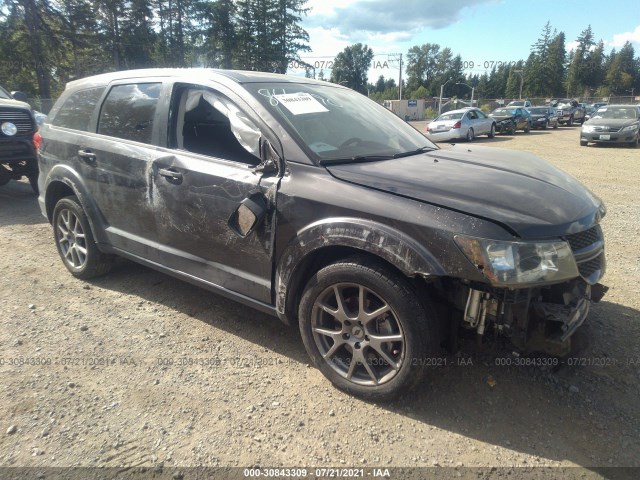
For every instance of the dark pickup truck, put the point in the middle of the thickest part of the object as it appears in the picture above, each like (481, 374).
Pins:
(569, 111)
(17, 129)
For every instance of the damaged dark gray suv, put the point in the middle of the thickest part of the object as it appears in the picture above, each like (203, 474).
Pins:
(311, 202)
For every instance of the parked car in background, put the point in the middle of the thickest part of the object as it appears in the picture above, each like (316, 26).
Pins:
(612, 124)
(18, 139)
(543, 117)
(463, 124)
(520, 103)
(310, 202)
(592, 108)
(510, 119)
(569, 111)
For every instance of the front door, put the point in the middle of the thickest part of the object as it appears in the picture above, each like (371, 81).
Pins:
(208, 170)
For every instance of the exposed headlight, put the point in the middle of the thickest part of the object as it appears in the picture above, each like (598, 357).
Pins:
(520, 263)
(588, 128)
(630, 128)
(9, 129)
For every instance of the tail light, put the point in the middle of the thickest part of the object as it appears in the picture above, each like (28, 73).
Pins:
(458, 124)
(37, 140)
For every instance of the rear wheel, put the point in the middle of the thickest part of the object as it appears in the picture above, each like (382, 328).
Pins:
(75, 242)
(470, 135)
(364, 328)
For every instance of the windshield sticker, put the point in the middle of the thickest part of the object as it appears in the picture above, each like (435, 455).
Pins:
(300, 103)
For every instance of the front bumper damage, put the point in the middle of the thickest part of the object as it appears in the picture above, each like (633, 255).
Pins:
(535, 320)
(544, 318)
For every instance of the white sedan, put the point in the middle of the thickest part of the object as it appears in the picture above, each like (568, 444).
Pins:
(463, 124)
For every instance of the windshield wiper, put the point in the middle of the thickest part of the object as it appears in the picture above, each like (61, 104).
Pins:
(355, 159)
(420, 150)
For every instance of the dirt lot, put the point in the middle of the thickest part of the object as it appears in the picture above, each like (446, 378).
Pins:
(140, 369)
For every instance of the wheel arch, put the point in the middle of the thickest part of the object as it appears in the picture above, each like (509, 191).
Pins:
(327, 241)
(62, 182)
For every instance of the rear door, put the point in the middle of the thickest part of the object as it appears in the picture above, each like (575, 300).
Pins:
(115, 164)
(213, 147)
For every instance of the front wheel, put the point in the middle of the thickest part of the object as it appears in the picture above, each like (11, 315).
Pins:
(583, 143)
(492, 132)
(364, 328)
(75, 242)
(570, 122)
(546, 125)
(527, 128)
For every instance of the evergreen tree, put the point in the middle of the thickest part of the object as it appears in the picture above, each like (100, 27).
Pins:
(351, 67)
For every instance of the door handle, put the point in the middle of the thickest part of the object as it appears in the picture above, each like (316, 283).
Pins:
(87, 155)
(170, 173)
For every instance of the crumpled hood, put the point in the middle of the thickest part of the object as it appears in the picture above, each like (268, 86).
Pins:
(500, 118)
(516, 189)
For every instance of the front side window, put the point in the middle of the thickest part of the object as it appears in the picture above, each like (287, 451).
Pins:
(128, 111)
(208, 123)
(76, 111)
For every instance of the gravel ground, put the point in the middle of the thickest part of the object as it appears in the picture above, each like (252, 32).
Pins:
(140, 369)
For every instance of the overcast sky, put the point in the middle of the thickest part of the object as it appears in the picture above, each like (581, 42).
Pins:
(482, 31)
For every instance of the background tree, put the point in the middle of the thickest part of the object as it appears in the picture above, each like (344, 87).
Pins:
(351, 67)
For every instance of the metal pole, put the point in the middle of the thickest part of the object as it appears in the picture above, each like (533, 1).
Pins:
(400, 80)
(473, 89)
(440, 101)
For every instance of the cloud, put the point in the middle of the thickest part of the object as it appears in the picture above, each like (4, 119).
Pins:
(571, 45)
(621, 38)
(384, 17)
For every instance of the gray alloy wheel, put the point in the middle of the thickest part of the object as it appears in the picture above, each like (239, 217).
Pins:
(75, 242)
(546, 125)
(353, 325)
(470, 135)
(365, 329)
(492, 133)
(71, 238)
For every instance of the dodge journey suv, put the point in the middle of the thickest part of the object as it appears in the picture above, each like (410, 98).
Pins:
(307, 200)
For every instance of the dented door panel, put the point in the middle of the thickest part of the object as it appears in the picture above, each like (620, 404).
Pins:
(192, 212)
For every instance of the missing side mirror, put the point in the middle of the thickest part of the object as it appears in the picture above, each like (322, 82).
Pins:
(248, 215)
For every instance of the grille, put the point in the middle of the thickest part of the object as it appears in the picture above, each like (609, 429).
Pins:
(581, 241)
(578, 241)
(587, 268)
(606, 129)
(21, 119)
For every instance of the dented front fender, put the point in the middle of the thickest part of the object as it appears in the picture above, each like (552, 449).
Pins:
(377, 239)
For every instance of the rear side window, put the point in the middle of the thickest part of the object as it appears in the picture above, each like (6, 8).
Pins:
(129, 110)
(76, 111)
